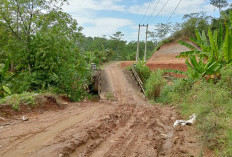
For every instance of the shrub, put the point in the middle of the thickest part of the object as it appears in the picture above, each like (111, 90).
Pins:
(173, 92)
(16, 99)
(73, 81)
(143, 71)
(153, 84)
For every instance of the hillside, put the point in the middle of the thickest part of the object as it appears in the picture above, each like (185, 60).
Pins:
(169, 52)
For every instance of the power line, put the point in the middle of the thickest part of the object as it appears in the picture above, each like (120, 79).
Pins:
(160, 11)
(153, 11)
(174, 11)
(146, 12)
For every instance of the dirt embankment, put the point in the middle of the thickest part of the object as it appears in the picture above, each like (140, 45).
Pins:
(122, 125)
(168, 52)
(165, 58)
(43, 103)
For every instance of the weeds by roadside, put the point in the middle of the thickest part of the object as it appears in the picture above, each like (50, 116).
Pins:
(211, 102)
(143, 71)
(153, 84)
(16, 99)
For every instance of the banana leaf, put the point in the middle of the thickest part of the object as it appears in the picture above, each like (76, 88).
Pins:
(227, 46)
(187, 53)
(213, 68)
(204, 46)
(197, 65)
(191, 47)
(213, 43)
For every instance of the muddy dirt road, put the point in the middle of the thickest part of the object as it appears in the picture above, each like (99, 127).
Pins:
(122, 125)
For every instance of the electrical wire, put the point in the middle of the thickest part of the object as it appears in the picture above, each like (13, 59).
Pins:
(174, 11)
(153, 11)
(146, 12)
(160, 11)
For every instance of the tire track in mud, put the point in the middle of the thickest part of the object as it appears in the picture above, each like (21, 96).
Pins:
(126, 132)
(26, 147)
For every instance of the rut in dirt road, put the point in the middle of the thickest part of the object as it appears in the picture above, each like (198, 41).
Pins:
(128, 126)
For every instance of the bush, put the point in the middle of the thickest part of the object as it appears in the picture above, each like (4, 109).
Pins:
(153, 84)
(143, 71)
(173, 92)
(16, 99)
(73, 81)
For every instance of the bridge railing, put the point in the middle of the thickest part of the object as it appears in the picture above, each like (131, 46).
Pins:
(140, 83)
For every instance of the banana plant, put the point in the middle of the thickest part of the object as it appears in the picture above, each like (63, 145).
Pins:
(227, 46)
(90, 57)
(199, 68)
(204, 59)
(205, 48)
(212, 51)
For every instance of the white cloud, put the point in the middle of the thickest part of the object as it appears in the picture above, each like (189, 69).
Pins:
(105, 26)
(85, 13)
(77, 5)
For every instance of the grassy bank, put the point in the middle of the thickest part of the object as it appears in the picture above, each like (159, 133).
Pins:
(211, 101)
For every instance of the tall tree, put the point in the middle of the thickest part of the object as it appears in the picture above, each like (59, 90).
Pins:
(162, 31)
(117, 44)
(25, 20)
(219, 4)
(117, 36)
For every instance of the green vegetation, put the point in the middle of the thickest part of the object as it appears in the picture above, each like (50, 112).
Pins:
(43, 49)
(39, 41)
(4, 90)
(184, 30)
(143, 71)
(115, 48)
(212, 104)
(214, 53)
(16, 100)
(209, 100)
(154, 84)
(153, 81)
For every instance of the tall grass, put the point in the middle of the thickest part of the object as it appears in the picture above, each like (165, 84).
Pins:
(213, 105)
(154, 83)
(143, 71)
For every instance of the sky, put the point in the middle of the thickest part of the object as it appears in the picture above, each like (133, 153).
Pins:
(106, 17)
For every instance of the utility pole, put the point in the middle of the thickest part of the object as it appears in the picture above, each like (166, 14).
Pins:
(137, 54)
(145, 54)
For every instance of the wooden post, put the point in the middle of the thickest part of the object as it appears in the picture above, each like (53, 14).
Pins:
(137, 54)
(145, 54)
